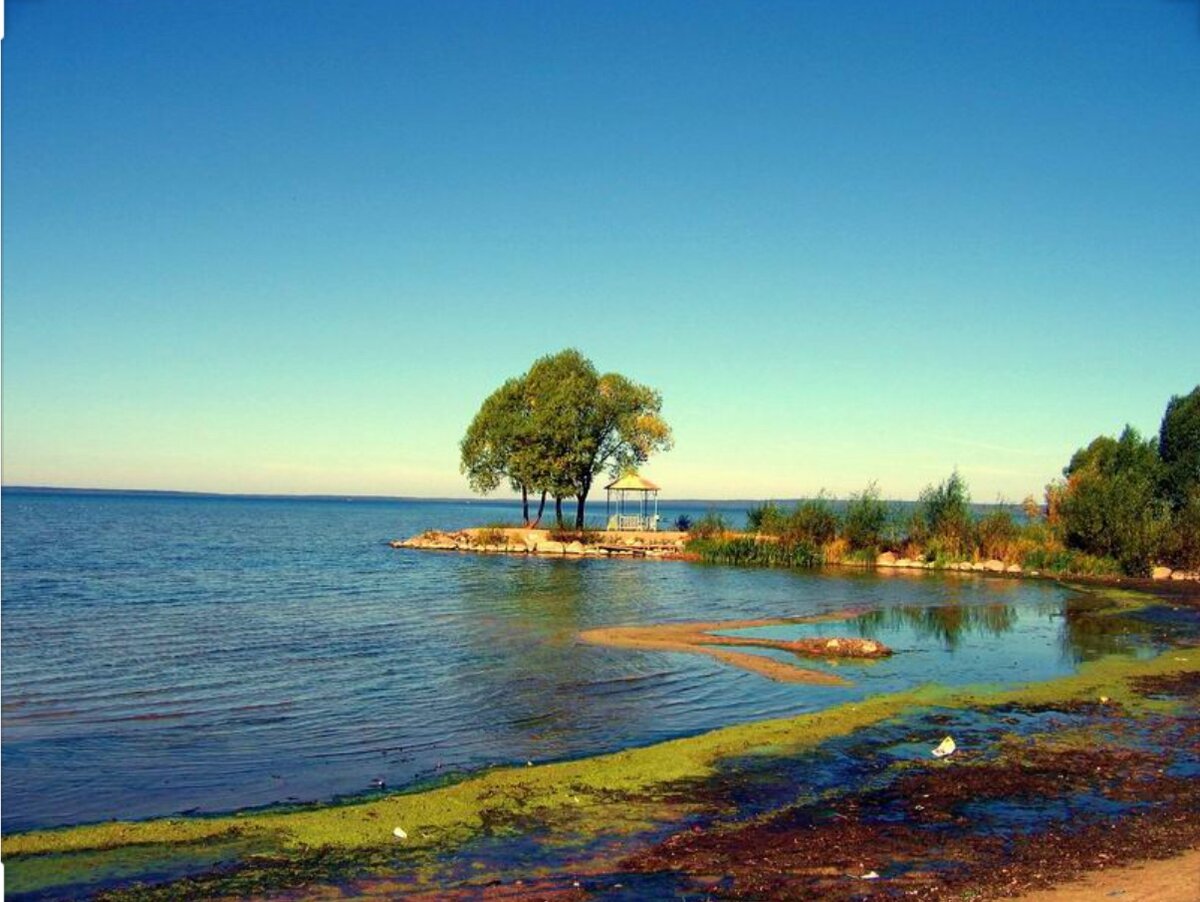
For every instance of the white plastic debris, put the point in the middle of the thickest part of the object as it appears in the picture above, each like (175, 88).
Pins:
(399, 833)
(869, 875)
(946, 747)
(1104, 699)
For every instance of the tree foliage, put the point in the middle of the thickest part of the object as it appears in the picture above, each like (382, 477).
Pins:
(1111, 506)
(866, 518)
(1179, 448)
(945, 513)
(554, 429)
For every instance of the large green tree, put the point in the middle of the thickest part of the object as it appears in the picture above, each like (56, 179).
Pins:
(1179, 448)
(1111, 505)
(503, 442)
(590, 422)
(558, 426)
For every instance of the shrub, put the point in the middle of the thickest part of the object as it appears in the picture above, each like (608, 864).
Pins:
(945, 513)
(767, 518)
(866, 519)
(813, 522)
(711, 525)
(996, 534)
(683, 523)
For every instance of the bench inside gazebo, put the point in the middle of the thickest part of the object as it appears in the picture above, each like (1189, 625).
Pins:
(636, 513)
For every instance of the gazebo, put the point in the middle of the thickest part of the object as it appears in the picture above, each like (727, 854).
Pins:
(639, 515)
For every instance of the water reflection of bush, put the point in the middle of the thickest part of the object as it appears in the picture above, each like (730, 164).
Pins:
(1089, 630)
(946, 623)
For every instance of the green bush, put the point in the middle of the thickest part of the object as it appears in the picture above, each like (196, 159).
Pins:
(996, 533)
(813, 521)
(767, 518)
(866, 519)
(944, 512)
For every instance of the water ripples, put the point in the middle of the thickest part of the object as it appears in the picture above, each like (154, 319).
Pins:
(167, 655)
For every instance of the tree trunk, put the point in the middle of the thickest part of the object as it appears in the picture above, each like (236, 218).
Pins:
(541, 507)
(558, 510)
(525, 505)
(579, 510)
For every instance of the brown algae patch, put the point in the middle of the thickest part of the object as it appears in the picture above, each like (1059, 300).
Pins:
(700, 637)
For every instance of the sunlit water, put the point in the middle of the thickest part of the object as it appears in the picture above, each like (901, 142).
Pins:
(164, 655)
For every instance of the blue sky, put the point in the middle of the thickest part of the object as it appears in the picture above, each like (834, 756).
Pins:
(290, 246)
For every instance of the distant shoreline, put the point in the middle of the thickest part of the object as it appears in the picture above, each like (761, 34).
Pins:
(445, 499)
(267, 496)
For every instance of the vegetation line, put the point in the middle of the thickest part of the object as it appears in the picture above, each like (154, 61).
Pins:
(1124, 505)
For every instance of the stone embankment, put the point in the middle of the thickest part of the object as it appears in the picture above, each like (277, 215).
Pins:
(890, 560)
(666, 544)
(538, 541)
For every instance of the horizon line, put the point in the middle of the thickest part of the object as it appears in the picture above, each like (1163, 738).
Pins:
(341, 496)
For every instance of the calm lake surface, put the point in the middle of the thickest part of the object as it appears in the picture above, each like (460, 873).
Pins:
(175, 654)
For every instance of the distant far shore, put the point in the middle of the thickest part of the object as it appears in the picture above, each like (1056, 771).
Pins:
(514, 501)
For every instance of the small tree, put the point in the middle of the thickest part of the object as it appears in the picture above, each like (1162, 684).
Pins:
(945, 511)
(866, 518)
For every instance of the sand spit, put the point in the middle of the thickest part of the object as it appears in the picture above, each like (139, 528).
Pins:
(701, 638)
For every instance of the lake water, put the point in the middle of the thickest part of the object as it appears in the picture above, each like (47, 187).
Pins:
(174, 654)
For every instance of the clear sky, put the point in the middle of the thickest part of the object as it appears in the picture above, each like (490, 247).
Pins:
(290, 246)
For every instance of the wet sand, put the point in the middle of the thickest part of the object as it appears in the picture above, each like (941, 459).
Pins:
(1169, 880)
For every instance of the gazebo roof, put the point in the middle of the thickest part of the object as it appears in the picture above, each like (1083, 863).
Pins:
(631, 482)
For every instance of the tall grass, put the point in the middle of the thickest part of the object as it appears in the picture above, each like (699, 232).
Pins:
(748, 550)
